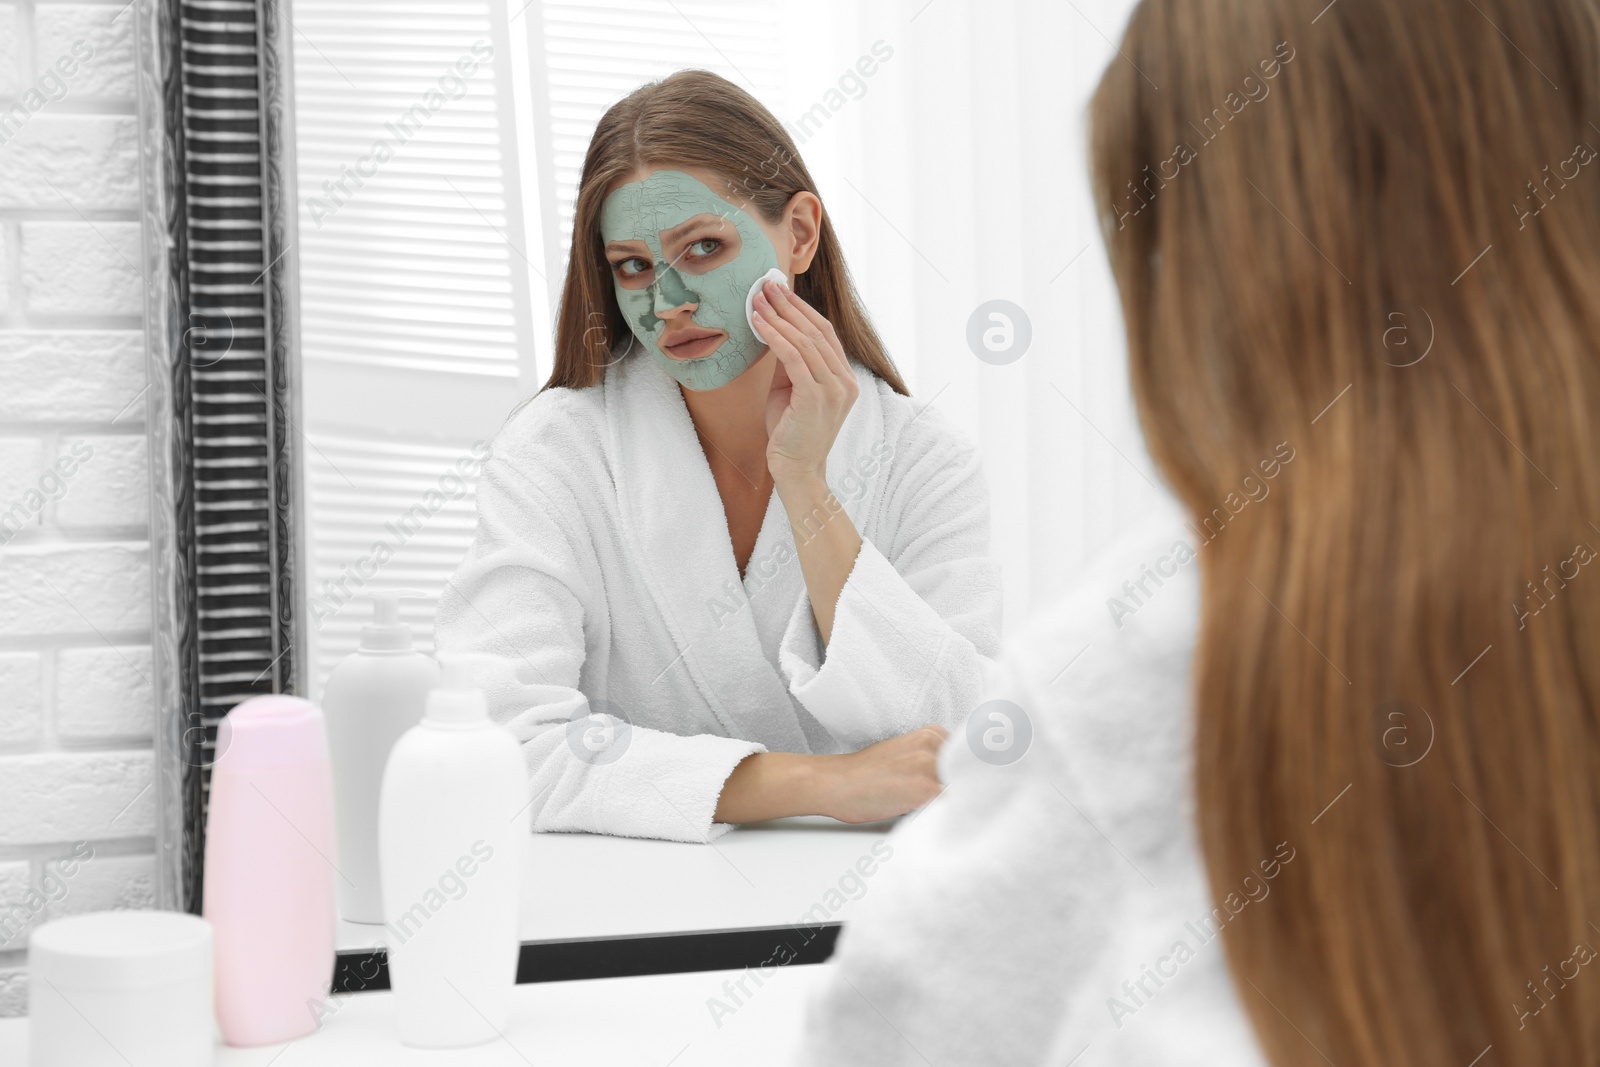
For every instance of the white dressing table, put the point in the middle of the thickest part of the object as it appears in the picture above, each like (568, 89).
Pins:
(653, 1021)
(594, 898)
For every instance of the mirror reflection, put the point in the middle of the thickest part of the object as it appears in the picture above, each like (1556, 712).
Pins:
(632, 388)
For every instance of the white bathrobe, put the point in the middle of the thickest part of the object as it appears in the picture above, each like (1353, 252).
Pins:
(1017, 903)
(603, 572)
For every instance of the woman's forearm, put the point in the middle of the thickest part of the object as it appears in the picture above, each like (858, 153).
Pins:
(772, 785)
(880, 781)
(827, 542)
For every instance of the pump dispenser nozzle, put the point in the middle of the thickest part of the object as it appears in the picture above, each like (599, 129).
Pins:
(386, 633)
(458, 698)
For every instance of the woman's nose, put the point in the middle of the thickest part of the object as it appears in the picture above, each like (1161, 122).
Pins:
(669, 295)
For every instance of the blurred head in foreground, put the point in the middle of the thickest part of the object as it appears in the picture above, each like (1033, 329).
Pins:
(1371, 236)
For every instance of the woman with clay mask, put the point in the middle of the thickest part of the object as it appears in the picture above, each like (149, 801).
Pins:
(733, 572)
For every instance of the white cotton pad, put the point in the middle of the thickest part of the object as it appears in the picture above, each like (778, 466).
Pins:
(773, 275)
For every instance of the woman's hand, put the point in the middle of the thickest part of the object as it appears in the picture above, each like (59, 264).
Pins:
(813, 386)
(813, 389)
(886, 779)
(879, 782)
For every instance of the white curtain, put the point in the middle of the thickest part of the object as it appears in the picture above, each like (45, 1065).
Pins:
(959, 176)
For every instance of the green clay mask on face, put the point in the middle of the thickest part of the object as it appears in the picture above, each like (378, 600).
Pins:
(642, 211)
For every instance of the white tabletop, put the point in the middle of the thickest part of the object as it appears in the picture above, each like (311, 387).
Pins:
(778, 873)
(641, 1022)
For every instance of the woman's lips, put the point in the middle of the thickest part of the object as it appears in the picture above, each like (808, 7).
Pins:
(692, 344)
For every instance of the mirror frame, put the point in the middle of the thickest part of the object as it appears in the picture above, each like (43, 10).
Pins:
(218, 222)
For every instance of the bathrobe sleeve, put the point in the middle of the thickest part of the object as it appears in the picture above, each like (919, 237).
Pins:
(521, 593)
(1014, 907)
(918, 620)
(990, 890)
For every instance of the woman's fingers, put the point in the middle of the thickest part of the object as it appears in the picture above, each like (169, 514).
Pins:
(804, 419)
(793, 311)
(789, 357)
(824, 329)
(801, 345)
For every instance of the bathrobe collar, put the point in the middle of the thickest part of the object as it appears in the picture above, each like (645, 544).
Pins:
(673, 518)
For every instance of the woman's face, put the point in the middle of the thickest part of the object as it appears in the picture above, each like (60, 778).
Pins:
(683, 258)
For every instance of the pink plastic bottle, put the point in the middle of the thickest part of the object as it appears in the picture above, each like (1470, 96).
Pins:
(269, 875)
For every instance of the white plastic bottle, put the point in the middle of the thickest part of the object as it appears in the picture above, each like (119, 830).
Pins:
(450, 848)
(374, 695)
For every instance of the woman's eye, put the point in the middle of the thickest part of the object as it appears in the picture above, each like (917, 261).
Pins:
(706, 246)
(632, 268)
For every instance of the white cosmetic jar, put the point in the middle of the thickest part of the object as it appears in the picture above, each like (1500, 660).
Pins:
(121, 988)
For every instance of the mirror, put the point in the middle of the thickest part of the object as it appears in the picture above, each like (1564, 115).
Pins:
(418, 174)
(436, 156)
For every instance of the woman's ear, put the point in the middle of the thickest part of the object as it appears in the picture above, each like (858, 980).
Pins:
(802, 223)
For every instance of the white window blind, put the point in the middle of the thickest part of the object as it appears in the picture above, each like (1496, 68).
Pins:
(416, 333)
(381, 507)
(408, 187)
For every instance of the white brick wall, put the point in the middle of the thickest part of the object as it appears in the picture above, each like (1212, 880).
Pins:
(76, 711)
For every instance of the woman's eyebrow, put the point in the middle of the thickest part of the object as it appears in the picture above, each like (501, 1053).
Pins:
(683, 229)
(618, 251)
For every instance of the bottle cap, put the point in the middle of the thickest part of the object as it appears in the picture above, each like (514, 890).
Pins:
(268, 731)
(459, 699)
(122, 950)
(386, 633)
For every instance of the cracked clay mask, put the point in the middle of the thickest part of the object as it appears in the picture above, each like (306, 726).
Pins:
(640, 211)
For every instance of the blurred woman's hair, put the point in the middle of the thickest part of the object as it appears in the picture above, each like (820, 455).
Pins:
(695, 118)
(1373, 233)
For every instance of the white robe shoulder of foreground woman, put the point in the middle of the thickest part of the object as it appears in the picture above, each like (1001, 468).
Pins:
(603, 573)
(1033, 912)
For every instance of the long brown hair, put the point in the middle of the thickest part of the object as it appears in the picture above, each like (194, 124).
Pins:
(1382, 249)
(695, 118)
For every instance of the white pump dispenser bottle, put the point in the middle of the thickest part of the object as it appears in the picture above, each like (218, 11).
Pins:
(450, 848)
(373, 695)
